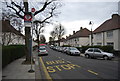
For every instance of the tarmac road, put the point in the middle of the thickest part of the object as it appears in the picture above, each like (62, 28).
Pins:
(62, 66)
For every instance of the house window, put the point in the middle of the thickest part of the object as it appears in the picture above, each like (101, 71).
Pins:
(109, 34)
(110, 43)
(99, 43)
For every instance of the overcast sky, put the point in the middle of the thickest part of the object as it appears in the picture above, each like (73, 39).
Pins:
(76, 14)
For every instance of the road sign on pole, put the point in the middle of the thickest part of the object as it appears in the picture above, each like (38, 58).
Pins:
(28, 19)
(33, 10)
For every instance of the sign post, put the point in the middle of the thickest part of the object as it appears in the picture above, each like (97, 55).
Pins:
(30, 19)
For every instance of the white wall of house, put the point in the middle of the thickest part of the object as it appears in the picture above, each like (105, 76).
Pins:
(107, 38)
(18, 40)
(113, 39)
(15, 39)
(83, 41)
(65, 42)
(78, 42)
(97, 39)
(61, 43)
(116, 39)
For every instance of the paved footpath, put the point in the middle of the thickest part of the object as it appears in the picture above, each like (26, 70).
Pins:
(17, 70)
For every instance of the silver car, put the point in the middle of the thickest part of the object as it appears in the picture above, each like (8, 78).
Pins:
(43, 51)
(72, 51)
(98, 53)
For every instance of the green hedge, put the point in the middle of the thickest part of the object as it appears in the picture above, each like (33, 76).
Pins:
(66, 46)
(104, 48)
(11, 53)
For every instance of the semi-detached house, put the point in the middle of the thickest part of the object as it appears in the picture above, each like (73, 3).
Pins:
(10, 35)
(108, 33)
(79, 38)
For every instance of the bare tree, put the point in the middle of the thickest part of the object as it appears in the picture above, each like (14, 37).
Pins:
(53, 35)
(8, 37)
(59, 31)
(37, 30)
(15, 21)
(42, 39)
(47, 8)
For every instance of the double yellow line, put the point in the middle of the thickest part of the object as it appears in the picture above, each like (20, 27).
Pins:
(45, 70)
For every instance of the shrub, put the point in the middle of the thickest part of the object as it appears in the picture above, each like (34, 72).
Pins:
(11, 53)
(66, 46)
(107, 48)
(104, 48)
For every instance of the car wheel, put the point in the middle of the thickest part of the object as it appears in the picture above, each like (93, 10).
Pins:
(105, 57)
(87, 56)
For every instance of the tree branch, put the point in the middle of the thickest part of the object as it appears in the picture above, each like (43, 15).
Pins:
(44, 6)
(19, 7)
(17, 12)
(51, 15)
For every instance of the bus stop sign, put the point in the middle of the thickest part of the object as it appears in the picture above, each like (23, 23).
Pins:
(28, 17)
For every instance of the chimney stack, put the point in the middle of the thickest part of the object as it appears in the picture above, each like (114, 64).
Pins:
(73, 32)
(115, 16)
(81, 28)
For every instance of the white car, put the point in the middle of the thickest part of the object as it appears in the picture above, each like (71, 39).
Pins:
(98, 53)
(42, 51)
(72, 51)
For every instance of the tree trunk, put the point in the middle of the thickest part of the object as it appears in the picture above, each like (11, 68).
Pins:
(27, 39)
(27, 46)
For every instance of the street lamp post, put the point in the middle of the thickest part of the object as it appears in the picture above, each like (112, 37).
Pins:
(91, 23)
(75, 42)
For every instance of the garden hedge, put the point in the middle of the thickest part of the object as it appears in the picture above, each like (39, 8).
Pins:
(11, 53)
(104, 48)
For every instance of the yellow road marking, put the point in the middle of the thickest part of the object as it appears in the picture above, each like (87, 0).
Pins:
(53, 69)
(93, 72)
(58, 68)
(55, 62)
(69, 62)
(45, 70)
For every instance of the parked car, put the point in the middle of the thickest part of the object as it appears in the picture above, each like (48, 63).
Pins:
(60, 49)
(51, 46)
(98, 53)
(65, 49)
(42, 51)
(72, 51)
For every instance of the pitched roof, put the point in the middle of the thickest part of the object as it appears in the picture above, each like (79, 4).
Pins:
(111, 24)
(81, 33)
(6, 27)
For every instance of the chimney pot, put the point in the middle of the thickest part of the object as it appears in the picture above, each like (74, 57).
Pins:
(81, 28)
(73, 32)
